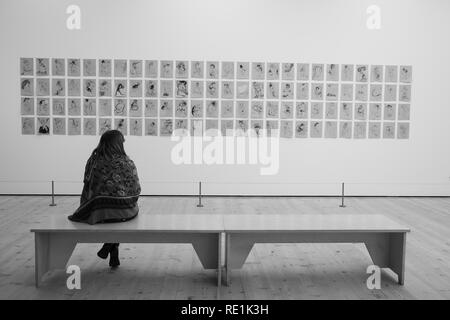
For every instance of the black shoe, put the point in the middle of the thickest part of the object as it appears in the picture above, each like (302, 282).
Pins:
(114, 257)
(104, 251)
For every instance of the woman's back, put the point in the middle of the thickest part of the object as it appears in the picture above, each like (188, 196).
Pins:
(111, 184)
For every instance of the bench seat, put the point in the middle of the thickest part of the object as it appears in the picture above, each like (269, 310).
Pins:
(56, 239)
(384, 238)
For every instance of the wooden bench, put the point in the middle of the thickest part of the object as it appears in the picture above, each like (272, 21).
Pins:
(384, 239)
(56, 240)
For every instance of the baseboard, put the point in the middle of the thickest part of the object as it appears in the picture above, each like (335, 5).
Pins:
(234, 195)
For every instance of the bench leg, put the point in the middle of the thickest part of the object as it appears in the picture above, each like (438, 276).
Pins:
(237, 250)
(206, 247)
(219, 266)
(41, 253)
(209, 250)
(52, 251)
(227, 279)
(388, 251)
(397, 249)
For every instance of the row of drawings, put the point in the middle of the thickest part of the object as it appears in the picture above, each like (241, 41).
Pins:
(214, 89)
(128, 93)
(137, 108)
(168, 127)
(74, 67)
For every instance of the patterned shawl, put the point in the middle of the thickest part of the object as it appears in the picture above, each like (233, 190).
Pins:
(109, 184)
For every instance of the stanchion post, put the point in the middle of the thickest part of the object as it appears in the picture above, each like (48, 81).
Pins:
(343, 196)
(53, 204)
(200, 205)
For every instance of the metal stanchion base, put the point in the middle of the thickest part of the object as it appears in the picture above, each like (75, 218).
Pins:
(342, 206)
(52, 205)
(200, 206)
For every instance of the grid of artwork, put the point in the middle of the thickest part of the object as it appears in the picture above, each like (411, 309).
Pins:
(159, 98)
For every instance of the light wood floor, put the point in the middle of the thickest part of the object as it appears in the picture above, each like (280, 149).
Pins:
(281, 271)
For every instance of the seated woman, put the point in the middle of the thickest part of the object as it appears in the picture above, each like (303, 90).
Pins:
(111, 189)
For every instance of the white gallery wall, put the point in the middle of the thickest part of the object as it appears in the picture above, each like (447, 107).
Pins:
(413, 32)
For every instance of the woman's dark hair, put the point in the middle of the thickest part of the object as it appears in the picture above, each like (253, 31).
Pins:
(111, 143)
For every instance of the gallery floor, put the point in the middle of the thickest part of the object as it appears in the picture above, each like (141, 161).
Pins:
(281, 271)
